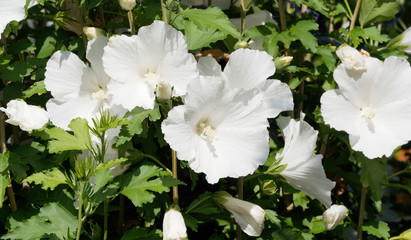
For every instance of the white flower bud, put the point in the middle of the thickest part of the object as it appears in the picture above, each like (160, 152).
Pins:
(405, 41)
(127, 5)
(92, 32)
(282, 62)
(334, 216)
(163, 91)
(248, 215)
(27, 117)
(351, 58)
(174, 227)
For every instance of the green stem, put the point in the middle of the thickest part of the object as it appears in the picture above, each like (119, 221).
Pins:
(243, 13)
(106, 204)
(158, 162)
(131, 21)
(248, 178)
(354, 17)
(198, 203)
(164, 11)
(81, 20)
(174, 165)
(361, 213)
(398, 173)
(80, 207)
(348, 8)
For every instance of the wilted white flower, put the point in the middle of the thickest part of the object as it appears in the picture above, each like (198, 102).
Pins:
(11, 10)
(127, 5)
(304, 170)
(373, 107)
(27, 117)
(351, 58)
(406, 40)
(248, 69)
(78, 90)
(174, 227)
(138, 64)
(93, 32)
(248, 215)
(220, 132)
(334, 216)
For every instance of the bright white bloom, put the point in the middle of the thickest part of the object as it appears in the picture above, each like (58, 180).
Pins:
(304, 169)
(78, 90)
(220, 132)
(373, 107)
(127, 5)
(406, 40)
(139, 64)
(248, 69)
(11, 10)
(334, 216)
(256, 19)
(27, 117)
(248, 215)
(351, 58)
(174, 227)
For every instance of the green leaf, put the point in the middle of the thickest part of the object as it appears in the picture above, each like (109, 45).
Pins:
(212, 16)
(357, 35)
(317, 5)
(190, 222)
(300, 200)
(375, 11)
(48, 47)
(201, 36)
(378, 229)
(141, 234)
(272, 216)
(373, 175)
(65, 141)
(101, 178)
(204, 204)
(327, 57)
(48, 179)
(38, 88)
(16, 71)
(139, 185)
(52, 219)
(301, 31)
(4, 183)
(138, 115)
(109, 164)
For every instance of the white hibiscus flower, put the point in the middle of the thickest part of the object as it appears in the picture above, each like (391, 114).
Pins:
(220, 132)
(27, 117)
(248, 69)
(78, 90)
(174, 227)
(304, 170)
(142, 63)
(372, 106)
(334, 215)
(11, 10)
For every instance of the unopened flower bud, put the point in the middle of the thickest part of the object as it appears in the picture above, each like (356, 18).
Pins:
(334, 216)
(92, 32)
(174, 227)
(351, 58)
(282, 62)
(127, 5)
(249, 216)
(163, 91)
(240, 44)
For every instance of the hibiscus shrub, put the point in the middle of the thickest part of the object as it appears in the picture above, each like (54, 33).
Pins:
(205, 119)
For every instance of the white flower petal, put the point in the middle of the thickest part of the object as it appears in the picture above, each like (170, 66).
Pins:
(174, 227)
(406, 40)
(255, 19)
(11, 10)
(248, 68)
(277, 97)
(304, 170)
(351, 58)
(95, 50)
(208, 66)
(249, 216)
(61, 113)
(131, 94)
(27, 117)
(64, 76)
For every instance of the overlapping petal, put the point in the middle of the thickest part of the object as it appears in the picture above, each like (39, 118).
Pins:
(11, 10)
(304, 170)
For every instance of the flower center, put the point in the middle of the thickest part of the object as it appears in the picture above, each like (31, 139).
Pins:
(151, 78)
(367, 113)
(99, 95)
(205, 130)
